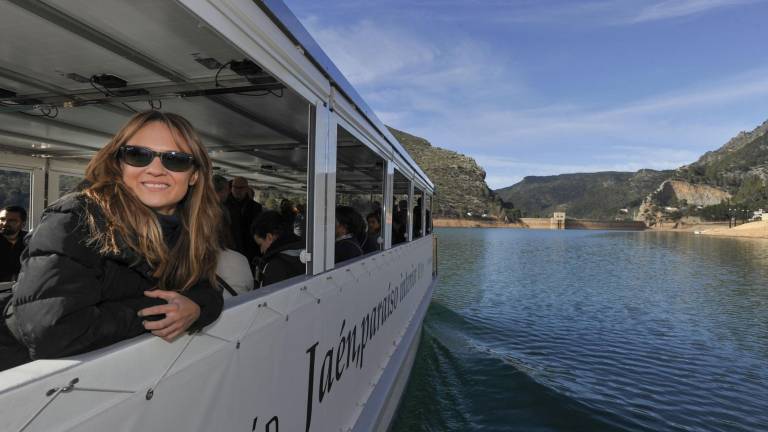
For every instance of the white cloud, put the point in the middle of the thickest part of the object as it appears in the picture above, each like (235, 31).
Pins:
(367, 53)
(608, 12)
(461, 95)
(681, 8)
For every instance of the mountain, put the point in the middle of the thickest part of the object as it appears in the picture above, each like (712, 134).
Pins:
(459, 180)
(740, 167)
(600, 195)
(736, 173)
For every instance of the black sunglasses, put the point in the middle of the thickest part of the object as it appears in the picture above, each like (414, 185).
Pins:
(142, 156)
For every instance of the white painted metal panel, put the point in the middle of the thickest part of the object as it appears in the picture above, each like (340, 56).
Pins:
(278, 354)
(248, 28)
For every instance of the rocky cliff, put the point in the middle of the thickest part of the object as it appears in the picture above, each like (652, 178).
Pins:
(739, 167)
(459, 180)
(678, 195)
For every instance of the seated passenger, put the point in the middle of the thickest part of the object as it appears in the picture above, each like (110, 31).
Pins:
(400, 223)
(371, 243)
(417, 232)
(233, 268)
(300, 223)
(132, 252)
(349, 232)
(12, 222)
(280, 249)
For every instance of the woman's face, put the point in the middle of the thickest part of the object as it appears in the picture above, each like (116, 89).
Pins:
(157, 187)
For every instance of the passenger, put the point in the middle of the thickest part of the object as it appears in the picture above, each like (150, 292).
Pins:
(417, 232)
(242, 211)
(400, 222)
(13, 219)
(288, 211)
(233, 267)
(373, 234)
(300, 223)
(280, 249)
(235, 270)
(349, 233)
(132, 252)
(222, 187)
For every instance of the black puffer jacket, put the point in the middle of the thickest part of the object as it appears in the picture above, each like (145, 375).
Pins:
(280, 261)
(69, 299)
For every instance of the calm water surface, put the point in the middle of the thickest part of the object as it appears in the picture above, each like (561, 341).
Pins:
(593, 331)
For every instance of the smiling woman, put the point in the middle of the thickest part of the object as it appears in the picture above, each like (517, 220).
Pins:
(142, 252)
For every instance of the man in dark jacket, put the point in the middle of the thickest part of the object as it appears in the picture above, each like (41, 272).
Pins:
(71, 299)
(279, 247)
(349, 234)
(12, 221)
(242, 212)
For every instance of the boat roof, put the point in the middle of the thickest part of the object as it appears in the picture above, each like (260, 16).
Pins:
(290, 24)
(176, 58)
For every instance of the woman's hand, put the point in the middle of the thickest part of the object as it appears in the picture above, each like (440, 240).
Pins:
(180, 313)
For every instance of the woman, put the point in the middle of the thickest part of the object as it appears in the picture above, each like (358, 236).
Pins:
(280, 249)
(130, 253)
(349, 234)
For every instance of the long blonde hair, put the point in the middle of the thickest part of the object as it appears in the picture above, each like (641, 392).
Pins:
(128, 222)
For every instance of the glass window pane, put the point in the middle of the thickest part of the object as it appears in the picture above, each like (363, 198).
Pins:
(359, 195)
(16, 189)
(68, 183)
(400, 199)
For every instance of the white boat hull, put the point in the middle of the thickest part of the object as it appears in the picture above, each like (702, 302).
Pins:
(277, 359)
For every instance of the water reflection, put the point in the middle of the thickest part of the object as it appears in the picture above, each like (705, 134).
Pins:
(632, 331)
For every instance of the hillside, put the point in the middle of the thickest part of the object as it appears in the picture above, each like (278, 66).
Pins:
(737, 173)
(739, 167)
(459, 180)
(586, 196)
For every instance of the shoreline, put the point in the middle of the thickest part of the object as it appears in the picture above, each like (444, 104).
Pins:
(752, 230)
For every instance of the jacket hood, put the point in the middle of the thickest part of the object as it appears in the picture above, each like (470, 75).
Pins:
(287, 243)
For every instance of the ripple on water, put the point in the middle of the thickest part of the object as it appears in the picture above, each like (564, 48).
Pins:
(569, 331)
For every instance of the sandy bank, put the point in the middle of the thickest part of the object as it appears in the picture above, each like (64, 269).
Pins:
(758, 229)
(469, 223)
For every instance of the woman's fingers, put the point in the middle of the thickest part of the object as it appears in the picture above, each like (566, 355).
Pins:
(180, 313)
(159, 310)
(169, 333)
(163, 294)
(160, 324)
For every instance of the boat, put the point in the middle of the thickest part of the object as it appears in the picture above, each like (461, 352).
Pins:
(330, 350)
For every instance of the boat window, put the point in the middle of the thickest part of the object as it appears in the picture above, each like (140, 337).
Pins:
(359, 196)
(68, 183)
(16, 189)
(428, 201)
(418, 213)
(64, 176)
(401, 188)
(256, 128)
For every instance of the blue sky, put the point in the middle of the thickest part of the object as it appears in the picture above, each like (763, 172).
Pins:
(542, 87)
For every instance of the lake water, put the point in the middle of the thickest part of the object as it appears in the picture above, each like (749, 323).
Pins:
(593, 331)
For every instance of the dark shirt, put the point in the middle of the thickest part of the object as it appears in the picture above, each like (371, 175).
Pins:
(371, 243)
(280, 261)
(10, 257)
(346, 248)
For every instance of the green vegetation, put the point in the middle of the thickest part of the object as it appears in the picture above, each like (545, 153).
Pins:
(600, 195)
(459, 180)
